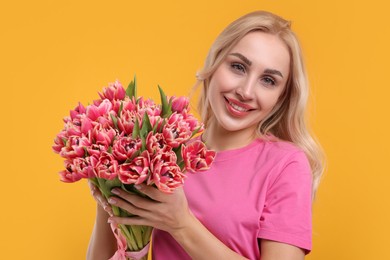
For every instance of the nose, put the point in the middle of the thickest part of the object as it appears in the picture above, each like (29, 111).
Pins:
(245, 90)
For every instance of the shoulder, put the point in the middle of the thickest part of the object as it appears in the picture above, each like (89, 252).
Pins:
(284, 160)
(280, 151)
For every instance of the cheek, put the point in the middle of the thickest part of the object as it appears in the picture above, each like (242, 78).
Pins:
(222, 81)
(267, 102)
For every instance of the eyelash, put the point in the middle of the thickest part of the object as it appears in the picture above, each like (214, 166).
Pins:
(269, 81)
(240, 68)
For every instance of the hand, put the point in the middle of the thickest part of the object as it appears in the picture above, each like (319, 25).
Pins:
(99, 198)
(168, 212)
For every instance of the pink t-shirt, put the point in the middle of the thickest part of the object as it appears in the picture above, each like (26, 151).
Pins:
(259, 191)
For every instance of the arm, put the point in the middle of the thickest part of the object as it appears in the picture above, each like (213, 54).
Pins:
(200, 243)
(170, 212)
(271, 250)
(102, 244)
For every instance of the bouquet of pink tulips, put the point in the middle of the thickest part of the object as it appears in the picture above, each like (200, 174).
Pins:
(121, 140)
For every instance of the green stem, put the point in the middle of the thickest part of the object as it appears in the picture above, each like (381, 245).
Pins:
(138, 235)
(129, 238)
(147, 234)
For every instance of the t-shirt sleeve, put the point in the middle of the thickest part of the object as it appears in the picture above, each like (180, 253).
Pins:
(286, 216)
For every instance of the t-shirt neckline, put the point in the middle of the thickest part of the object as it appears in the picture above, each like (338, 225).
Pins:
(232, 153)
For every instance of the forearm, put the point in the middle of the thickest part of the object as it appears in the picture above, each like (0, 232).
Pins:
(200, 243)
(102, 244)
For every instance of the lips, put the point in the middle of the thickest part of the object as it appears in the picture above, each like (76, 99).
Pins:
(237, 108)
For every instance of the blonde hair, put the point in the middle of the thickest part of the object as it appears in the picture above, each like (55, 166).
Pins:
(287, 120)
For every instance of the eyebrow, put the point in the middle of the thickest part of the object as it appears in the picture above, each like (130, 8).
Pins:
(274, 72)
(242, 57)
(249, 63)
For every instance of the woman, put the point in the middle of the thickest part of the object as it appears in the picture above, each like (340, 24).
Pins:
(255, 201)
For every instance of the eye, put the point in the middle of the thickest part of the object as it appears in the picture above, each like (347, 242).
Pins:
(237, 67)
(269, 81)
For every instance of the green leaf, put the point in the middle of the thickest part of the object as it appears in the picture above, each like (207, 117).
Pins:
(169, 111)
(64, 141)
(146, 126)
(103, 187)
(166, 109)
(195, 131)
(178, 153)
(164, 122)
(114, 120)
(181, 165)
(120, 109)
(137, 153)
(85, 152)
(136, 129)
(94, 181)
(110, 184)
(131, 90)
(155, 126)
(143, 140)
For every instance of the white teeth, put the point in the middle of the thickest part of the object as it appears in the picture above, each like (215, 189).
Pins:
(238, 107)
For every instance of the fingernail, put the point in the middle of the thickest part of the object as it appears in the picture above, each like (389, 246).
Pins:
(109, 220)
(115, 191)
(138, 187)
(112, 201)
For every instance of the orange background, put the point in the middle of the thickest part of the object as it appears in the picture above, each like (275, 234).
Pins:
(56, 53)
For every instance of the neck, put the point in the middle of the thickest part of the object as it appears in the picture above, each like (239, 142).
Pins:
(219, 139)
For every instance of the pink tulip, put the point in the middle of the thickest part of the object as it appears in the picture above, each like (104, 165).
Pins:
(168, 156)
(130, 104)
(148, 106)
(94, 111)
(105, 166)
(86, 125)
(155, 142)
(105, 121)
(79, 110)
(166, 175)
(75, 147)
(59, 142)
(83, 167)
(179, 104)
(113, 91)
(192, 122)
(197, 157)
(137, 171)
(126, 104)
(69, 174)
(125, 147)
(102, 136)
(72, 128)
(156, 120)
(116, 104)
(127, 120)
(176, 131)
(96, 150)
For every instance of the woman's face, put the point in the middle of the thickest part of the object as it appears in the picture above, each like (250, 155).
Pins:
(246, 86)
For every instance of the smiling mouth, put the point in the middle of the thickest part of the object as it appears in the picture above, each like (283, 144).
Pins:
(237, 107)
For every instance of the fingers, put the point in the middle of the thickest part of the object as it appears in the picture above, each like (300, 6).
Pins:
(125, 205)
(151, 192)
(133, 199)
(129, 221)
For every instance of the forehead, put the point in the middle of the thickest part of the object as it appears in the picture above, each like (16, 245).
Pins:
(264, 50)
